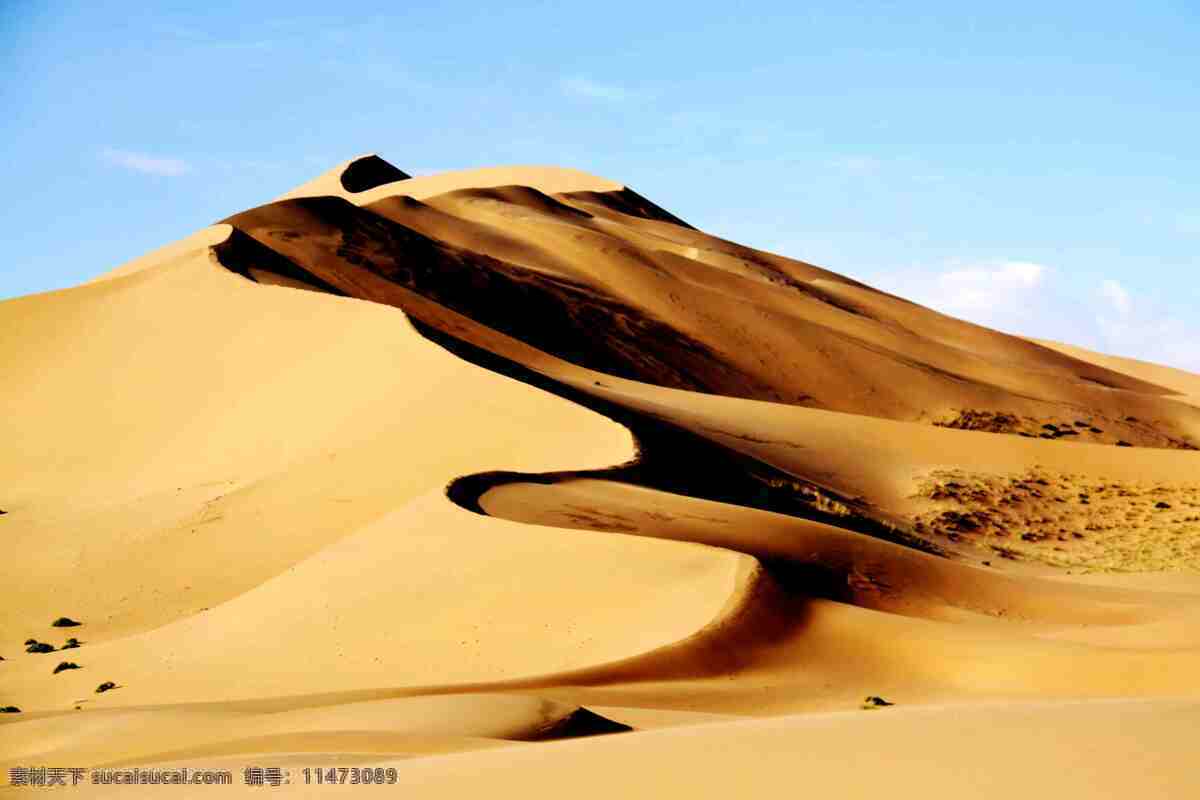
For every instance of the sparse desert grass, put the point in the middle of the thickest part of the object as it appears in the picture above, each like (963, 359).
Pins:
(1065, 520)
(1094, 428)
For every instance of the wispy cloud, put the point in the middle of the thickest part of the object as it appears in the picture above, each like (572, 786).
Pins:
(1030, 299)
(991, 292)
(591, 90)
(147, 164)
(1117, 295)
(1131, 326)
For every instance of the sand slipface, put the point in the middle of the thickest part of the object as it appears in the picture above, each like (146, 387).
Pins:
(515, 468)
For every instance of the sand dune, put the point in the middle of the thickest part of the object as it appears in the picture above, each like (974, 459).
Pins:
(1186, 384)
(406, 471)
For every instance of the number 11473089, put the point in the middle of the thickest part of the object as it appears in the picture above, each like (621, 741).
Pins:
(378, 776)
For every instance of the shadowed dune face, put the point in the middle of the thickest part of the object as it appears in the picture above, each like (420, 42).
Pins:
(393, 467)
(358, 176)
(610, 282)
(367, 256)
(369, 172)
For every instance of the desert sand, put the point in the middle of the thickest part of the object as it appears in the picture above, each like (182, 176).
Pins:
(516, 483)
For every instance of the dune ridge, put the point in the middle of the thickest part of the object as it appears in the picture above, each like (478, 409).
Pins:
(394, 467)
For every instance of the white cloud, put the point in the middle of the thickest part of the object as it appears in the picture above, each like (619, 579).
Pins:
(1117, 295)
(1162, 340)
(1029, 299)
(986, 293)
(148, 164)
(980, 287)
(1129, 326)
(586, 88)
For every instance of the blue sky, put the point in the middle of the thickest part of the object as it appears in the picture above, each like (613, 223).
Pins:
(1031, 166)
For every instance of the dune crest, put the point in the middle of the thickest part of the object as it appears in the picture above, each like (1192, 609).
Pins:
(356, 175)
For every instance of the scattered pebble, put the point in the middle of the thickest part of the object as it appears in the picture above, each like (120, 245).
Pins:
(66, 665)
(104, 687)
(65, 622)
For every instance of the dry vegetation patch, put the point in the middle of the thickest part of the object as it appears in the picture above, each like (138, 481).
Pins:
(1094, 428)
(1064, 519)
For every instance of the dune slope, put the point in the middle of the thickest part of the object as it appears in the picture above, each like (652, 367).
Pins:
(399, 467)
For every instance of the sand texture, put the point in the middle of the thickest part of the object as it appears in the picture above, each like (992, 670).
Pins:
(516, 483)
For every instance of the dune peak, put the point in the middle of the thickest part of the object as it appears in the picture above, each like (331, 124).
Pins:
(353, 176)
(368, 172)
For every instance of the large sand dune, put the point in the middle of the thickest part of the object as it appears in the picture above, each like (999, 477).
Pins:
(425, 472)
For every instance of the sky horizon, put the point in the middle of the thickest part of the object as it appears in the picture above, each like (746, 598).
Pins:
(1025, 167)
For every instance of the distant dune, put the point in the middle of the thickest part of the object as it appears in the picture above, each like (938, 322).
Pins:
(399, 467)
